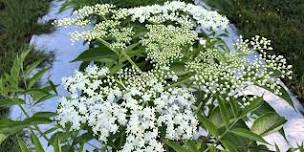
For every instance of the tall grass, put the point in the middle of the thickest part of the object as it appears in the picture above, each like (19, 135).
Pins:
(279, 20)
(18, 22)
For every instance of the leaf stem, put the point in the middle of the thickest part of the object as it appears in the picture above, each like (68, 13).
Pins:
(123, 52)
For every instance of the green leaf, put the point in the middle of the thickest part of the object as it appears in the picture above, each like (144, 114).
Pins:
(208, 125)
(2, 137)
(178, 68)
(212, 148)
(229, 146)
(247, 134)
(59, 136)
(8, 102)
(22, 145)
(56, 144)
(37, 145)
(254, 105)
(29, 69)
(9, 127)
(224, 111)
(193, 145)
(40, 94)
(100, 54)
(285, 95)
(175, 146)
(50, 130)
(53, 87)
(264, 108)
(47, 115)
(215, 117)
(267, 124)
(37, 77)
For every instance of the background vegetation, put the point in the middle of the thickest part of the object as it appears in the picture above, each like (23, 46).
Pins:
(18, 22)
(279, 20)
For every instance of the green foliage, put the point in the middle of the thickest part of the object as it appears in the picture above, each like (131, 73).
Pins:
(21, 94)
(18, 22)
(225, 121)
(22, 145)
(13, 85)
(279, 20)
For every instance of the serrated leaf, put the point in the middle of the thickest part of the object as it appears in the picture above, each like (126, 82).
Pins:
(247, 134)
(208, 125)
(267, 124)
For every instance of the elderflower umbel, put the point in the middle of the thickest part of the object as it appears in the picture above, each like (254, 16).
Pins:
(132, 100)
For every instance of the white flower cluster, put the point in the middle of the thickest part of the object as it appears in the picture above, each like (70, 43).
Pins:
(164, 44)
(181, 13)
(176, 113)
(131, 100)
(229, 73)
(111, 20)
(142, 102)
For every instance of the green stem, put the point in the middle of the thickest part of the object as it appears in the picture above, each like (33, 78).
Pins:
(224, 133)
(35, 126)
(123, 52)
(130, 60)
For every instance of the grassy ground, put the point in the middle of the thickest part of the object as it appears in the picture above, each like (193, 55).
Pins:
(18, 22)
(279, 20)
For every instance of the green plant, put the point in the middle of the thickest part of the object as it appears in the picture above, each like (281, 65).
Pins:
(18, 22)
(281, 21)
(150, 83)
(162, 51)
